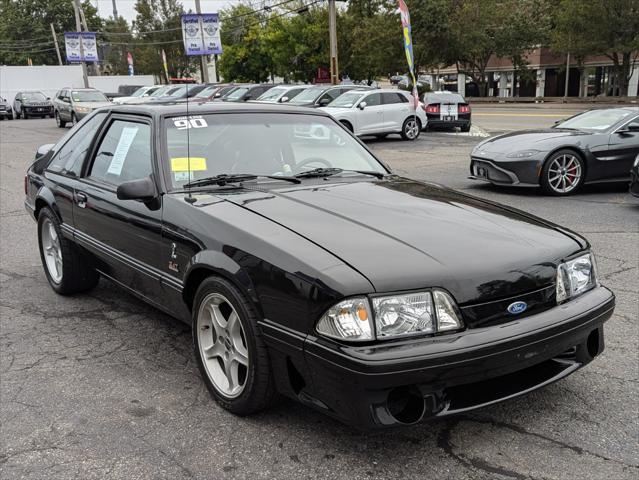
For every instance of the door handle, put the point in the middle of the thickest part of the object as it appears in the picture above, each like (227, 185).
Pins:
(81, 199)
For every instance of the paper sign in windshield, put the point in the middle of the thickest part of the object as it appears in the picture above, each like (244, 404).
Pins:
(181, 164)
(121, 151)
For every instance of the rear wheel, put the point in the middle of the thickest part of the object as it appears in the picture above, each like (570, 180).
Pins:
(230, 353)
(411, 128)
(563, 173)
(66, 269)
(465, 128)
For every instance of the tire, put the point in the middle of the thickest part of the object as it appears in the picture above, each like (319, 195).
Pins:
(73, 273)
(348, 125)
(411, 128)
(51, 115)
(58, 120)
(10, 117)
(24, 114)
(563, 173)
(466, 128)
(257, 389)
(74, 119)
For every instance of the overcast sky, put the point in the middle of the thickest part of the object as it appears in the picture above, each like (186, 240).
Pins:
(126, 7)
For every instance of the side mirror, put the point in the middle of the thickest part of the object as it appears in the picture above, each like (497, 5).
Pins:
(324, 101)
(43, 150)
(48, 98)
(362, 105)
(628, 129)
(142, 190)
(217, 95)
(284, 99)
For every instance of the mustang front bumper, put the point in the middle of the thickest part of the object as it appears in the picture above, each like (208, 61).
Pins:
(403, 382)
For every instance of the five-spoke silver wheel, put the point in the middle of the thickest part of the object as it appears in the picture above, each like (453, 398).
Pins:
(222, 343)
(52, 250)
(564, 173)
(411, 128)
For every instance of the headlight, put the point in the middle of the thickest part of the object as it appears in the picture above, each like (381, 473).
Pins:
(523, 154)
(83, 109)
(576, 277)
(393, 316)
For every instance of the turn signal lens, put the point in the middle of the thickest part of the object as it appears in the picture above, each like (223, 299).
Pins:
(448, 316)
(348, 320)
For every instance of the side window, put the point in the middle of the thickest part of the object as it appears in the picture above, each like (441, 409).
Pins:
(390, 98)
(124, 153)
(373, 100)
(70, 157)
(332, 94)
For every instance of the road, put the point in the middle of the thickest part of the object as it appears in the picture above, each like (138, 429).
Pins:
(102, 386)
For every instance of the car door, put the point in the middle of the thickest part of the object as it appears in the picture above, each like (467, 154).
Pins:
(65, 106)
(62, 172)
(370, 119)
(396, 110)
(623, 147)
(124, 234)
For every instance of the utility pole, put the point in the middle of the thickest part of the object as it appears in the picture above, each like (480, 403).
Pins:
(203, 63)
(55, 41)
(115, 11)
(78, 27)
(332, 33)
(95, 67)
(567, 75)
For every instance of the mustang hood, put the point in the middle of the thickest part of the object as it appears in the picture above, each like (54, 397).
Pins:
(525, 139)
(404, 235)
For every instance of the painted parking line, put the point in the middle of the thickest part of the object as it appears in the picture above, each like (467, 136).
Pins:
(554, 115)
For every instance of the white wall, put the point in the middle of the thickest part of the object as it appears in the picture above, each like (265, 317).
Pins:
(51, 78)
(48, 79)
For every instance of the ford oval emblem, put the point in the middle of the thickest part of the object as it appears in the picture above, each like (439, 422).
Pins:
(516, 308)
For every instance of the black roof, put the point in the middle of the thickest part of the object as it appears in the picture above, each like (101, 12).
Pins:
(173, 109)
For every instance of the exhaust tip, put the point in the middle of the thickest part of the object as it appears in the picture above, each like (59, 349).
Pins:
(406, 405)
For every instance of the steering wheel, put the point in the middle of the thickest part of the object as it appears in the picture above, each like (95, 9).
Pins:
(306, 161)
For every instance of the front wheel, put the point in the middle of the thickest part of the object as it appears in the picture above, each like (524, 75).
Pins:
(24, 115)
(231, 355)
(74, 119)
(563, 173)
(411, 128)
(66, 269)
(59, 122)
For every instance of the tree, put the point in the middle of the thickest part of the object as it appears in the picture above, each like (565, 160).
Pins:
(605, 27)
(25, 30)
(163, 18)
(119, 42)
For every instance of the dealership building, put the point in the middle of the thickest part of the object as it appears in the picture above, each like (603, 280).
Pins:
(545, 76)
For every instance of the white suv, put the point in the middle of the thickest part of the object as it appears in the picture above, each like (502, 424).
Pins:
(378, 112)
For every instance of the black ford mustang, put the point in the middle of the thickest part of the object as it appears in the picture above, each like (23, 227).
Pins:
(307, 268)
(593, 147)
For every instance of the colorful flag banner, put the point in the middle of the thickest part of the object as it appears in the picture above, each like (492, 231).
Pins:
(408, 46)
(201, 34)
(129, 61)
(166, 66)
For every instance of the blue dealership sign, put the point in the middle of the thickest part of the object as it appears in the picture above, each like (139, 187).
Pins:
(201, 34)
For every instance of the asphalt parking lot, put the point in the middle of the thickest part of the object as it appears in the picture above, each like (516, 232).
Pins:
(103, 386)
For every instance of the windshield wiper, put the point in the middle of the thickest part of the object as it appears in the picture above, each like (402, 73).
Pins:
(226, 178)
(327, 172)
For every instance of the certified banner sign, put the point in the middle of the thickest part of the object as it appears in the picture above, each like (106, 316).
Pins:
(81, 47)
(201, 33)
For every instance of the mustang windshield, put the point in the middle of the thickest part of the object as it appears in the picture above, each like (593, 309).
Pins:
(595, 120)
(267, 144)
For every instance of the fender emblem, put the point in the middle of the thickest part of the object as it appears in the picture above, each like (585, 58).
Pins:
(516, 308)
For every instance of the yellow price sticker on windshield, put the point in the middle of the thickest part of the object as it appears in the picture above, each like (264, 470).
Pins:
(181, 164)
